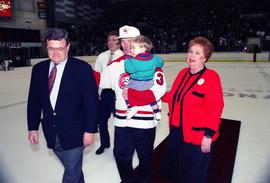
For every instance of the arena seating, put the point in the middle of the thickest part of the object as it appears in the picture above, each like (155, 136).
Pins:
(172, 23)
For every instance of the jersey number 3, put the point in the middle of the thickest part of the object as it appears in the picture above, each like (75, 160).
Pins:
(160, 79)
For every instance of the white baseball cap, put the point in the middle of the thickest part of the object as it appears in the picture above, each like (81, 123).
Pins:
(128, 32)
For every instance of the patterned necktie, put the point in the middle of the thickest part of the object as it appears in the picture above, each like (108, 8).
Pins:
(110, 58)
(52, 78)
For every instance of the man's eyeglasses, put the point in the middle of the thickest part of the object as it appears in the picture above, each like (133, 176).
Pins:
(59, 49)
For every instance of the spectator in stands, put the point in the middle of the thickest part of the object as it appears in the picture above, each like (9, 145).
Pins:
(6, 64)
(2, 63)
(195, 106)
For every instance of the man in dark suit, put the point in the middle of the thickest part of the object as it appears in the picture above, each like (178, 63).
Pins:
(64, 91)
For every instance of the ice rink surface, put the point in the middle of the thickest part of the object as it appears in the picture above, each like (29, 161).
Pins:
(246, 87)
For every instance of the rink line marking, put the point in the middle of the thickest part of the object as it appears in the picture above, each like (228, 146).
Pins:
(12, 105)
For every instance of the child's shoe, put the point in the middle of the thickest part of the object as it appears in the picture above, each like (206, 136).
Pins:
(131, 112)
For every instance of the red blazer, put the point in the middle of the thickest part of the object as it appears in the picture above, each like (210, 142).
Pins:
(196, 102)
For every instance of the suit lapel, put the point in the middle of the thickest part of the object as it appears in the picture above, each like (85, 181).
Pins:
(44, 81)
(64, 82)
(47, 79)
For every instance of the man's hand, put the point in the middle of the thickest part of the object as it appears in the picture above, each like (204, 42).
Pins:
(206, 145)
(33, 136)
(88, 138)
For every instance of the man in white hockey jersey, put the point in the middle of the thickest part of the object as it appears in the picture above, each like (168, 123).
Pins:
(137, 133)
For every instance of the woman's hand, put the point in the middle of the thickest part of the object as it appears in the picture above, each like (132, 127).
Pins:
(206, 144)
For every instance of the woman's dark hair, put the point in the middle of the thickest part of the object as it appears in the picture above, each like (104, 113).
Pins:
(57, 34)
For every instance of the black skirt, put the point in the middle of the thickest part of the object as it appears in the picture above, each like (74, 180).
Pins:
(184, 162)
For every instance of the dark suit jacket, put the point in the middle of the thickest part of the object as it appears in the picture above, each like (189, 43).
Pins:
(76, 106)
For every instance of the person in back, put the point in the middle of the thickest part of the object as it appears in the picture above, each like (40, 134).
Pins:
(107, 96)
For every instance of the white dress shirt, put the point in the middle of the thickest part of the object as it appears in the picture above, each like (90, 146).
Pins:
(103, 58)
(54, 93)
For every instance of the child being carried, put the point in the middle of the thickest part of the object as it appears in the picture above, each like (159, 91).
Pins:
(141, 67)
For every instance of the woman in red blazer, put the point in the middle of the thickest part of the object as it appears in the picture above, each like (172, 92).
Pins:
(195, 106)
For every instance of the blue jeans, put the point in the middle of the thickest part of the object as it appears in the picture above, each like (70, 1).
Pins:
(72, 162)
(140, 85)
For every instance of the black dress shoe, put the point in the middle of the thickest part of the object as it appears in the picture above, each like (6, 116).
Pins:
(101, 149)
